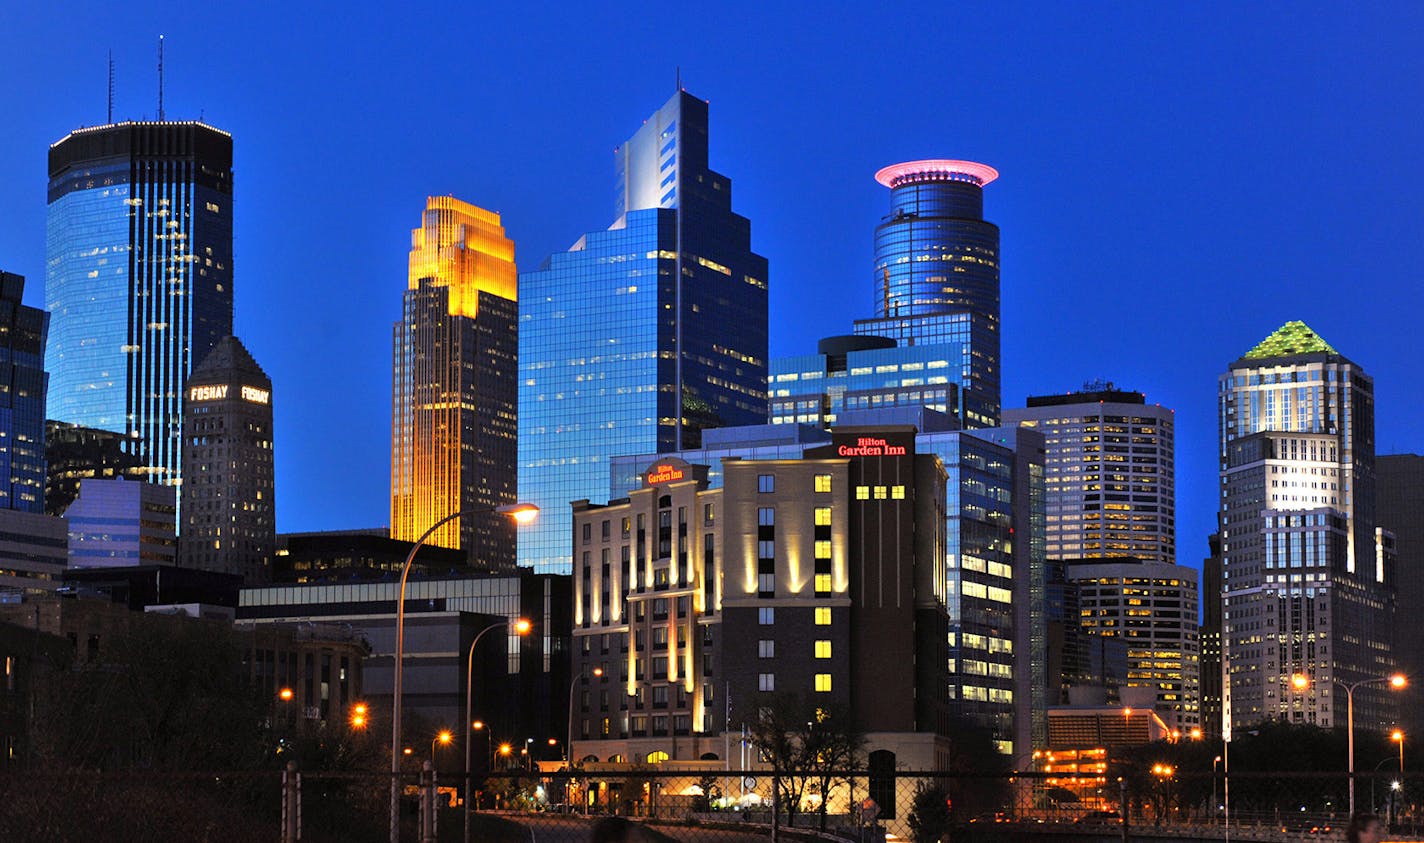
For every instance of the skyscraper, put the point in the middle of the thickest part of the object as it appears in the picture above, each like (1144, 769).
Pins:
(1110, 480)
(453, 393)
(937, 273)
(139, 280)
(1400, 501)
(22, 403)
(640, 336)
(1308, 579)
(228, 502)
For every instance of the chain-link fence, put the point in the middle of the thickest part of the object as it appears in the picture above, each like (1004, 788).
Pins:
(705, 805)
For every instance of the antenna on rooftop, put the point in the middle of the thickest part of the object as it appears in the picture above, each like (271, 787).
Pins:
(160, 78)
(111, 86)
(679, 77)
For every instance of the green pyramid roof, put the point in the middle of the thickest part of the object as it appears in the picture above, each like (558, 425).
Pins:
(1289, 340)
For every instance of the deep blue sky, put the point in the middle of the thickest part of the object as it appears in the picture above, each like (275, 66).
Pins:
(1176, 182)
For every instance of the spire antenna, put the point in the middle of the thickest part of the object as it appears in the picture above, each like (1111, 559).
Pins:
(111, 86)
(160, 78)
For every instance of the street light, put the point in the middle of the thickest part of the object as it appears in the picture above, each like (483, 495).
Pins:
(569, 747)
(442, 737)
(522, 513)
(1398, 737)
(358, 716)
(1214, 806)
(479, 726)
(521, 627)
(1301, 682)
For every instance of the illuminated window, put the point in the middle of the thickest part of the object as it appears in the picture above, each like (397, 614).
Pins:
(823, 616)
(880, 493)
(823, 649)
(823, 585)
(862, 493)
(657, 757)
(897, 492)
(766, 681)
(823, 682)
(823, 482)
(766, 616)
(823, 516)
(823, 549)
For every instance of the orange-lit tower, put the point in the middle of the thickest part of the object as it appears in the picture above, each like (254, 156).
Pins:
(454, 389)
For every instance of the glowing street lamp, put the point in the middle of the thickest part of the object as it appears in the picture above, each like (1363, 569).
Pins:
(443, 737)
(1301, 682)
(521, 626)
(522, 513)
(1398, 737)
(358, 716)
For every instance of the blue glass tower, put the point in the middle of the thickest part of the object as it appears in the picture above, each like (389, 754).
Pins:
(139, 277)
(22, 399)
(641, 336)
(937, 273)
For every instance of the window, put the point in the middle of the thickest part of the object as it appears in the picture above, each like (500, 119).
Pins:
(657, 757)
(823, 616)
(766, 649)
(823, 482)
(823, 585)
(766, 681)
(823, 649)
(766, 483)
(822, 549)
(766, 616)
(708, 513)
(766, 584)
(823, 516)
(823, 683)
(862, 493)
(766, 516)
(880, 493)
(897, 493)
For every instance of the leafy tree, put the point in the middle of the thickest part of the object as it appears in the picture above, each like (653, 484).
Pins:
(814, 744)
(929, 813)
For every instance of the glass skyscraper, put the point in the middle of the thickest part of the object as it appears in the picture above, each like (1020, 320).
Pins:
(22, 403)
(937, 273)
(139, 277)
(454, 393)
(642, 335)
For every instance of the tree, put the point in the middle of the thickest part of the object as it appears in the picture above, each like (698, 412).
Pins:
(929, 813)
(807, 746)
(830, 746)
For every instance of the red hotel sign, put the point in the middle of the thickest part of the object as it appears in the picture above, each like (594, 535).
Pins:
(663, 473)
(867, 446)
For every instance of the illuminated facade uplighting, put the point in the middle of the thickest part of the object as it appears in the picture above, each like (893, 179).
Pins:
(139, 279)
(454, 392)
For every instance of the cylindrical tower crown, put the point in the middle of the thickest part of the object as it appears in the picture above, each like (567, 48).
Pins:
(934, 253)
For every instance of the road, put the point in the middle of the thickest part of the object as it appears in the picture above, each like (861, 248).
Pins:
(554, 828)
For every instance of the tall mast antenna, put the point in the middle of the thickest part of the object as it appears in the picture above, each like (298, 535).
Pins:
(160, 78)
(111, 86)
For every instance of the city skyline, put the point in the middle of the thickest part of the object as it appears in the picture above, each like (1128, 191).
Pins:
(1180, 195)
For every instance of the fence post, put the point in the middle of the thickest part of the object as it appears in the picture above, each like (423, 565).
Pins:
(291, 804)
(427, 803)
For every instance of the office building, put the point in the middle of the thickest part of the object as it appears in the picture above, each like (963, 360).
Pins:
(1210, 641)
(937, 274)
(34, 551)
(120, 523)
(22, 402)
(521, 683)
(229, 509)
(139, 279)
(330, 556)
(74, 453)
(1400, 501)
(1308, 579)
(795, 578)
(848, 374)
(1109, 474)
(1152, 606)
(454, 394)
(640, 336)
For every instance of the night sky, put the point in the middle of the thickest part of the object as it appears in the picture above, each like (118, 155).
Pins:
(1175, 183)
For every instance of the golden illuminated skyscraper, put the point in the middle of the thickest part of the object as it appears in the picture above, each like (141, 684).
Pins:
(454, 390)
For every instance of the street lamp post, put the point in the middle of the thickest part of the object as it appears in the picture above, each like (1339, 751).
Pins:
(442, 737)
(1396, 681)
(521, 513)
(569, 747)
(521, 627)
(1214, 806)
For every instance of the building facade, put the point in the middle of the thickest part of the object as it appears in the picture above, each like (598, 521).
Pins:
(695, 606)
(1210, 641)
(848, 374)
(641, 336)
(119, 523)
(1153, 607)
(74, 453)
(139, 279)
(229, 507)
(937, 274)
(1400, 506)
(1109, 476)
(22, 404)
(454, 403)
(1308, 580)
